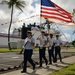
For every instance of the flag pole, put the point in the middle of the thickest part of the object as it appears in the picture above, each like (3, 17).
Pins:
(48, 29)
(40, 16)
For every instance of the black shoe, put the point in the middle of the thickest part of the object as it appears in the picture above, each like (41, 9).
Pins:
(46, 63)
(23, 71)
(40, 67)
(54, 61)
(50, 63)
(61, 61)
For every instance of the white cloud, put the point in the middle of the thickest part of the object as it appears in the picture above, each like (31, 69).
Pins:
(67, 5)
(66, 37)
(3, 15)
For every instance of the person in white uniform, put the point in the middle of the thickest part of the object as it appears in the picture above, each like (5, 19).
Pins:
(28, 51)
(42, 49)
(58, 44)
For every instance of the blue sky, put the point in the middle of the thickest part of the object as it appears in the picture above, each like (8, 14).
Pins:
(68, 31)
(35, 2)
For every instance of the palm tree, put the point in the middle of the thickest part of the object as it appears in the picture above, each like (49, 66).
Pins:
(11, 4)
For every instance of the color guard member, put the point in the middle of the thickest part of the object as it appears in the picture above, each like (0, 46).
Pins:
(42, 49)
(28, 46)
(58, 44)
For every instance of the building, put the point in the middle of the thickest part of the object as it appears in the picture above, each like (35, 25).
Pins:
(4, 39)
(15, 37)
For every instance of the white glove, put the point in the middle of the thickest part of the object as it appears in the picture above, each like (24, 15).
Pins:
(23, 47)
(26, 40)
(29, 40)
(50, 48)
(57, 44)
(41, 46)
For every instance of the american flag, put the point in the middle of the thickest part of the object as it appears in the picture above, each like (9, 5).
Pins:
(52, 10)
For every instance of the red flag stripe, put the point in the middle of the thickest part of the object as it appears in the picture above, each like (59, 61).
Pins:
(63, 10)
(55, 13)
(54, 17)
(52, 9)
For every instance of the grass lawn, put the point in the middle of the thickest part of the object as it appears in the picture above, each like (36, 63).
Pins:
(7, 50)
(69, 70)
(35, 49)
(12, 50)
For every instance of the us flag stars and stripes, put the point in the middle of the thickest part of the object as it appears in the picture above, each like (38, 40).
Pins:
(51, 10)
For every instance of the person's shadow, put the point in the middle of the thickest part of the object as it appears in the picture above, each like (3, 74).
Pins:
(65, 63)
(50, 69)
(32, 73)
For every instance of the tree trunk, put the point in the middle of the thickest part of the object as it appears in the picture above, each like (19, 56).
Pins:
(9, 28)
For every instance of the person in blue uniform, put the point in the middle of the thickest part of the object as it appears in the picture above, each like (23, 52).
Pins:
(42, 48)
(28, 51)
(58, 44)
(51, 48)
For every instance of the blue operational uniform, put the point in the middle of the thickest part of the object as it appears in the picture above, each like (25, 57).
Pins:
(28, 51)
(42, 50)
(58, 42)
(51, 49)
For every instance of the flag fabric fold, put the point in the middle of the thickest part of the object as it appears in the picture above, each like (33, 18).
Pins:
(52, 10)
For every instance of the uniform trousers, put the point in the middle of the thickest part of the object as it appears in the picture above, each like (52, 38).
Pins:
(58, 52)
(42, 55)
(51, 54)
(27, 57)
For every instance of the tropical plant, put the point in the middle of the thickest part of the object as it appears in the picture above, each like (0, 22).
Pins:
(11, 4)
(73, 11)
(73, 43)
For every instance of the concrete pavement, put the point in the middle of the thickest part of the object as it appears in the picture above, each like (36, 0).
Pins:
(45, 70)
(8, 60)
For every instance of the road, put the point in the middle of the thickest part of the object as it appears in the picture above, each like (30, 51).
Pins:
(14, 59)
